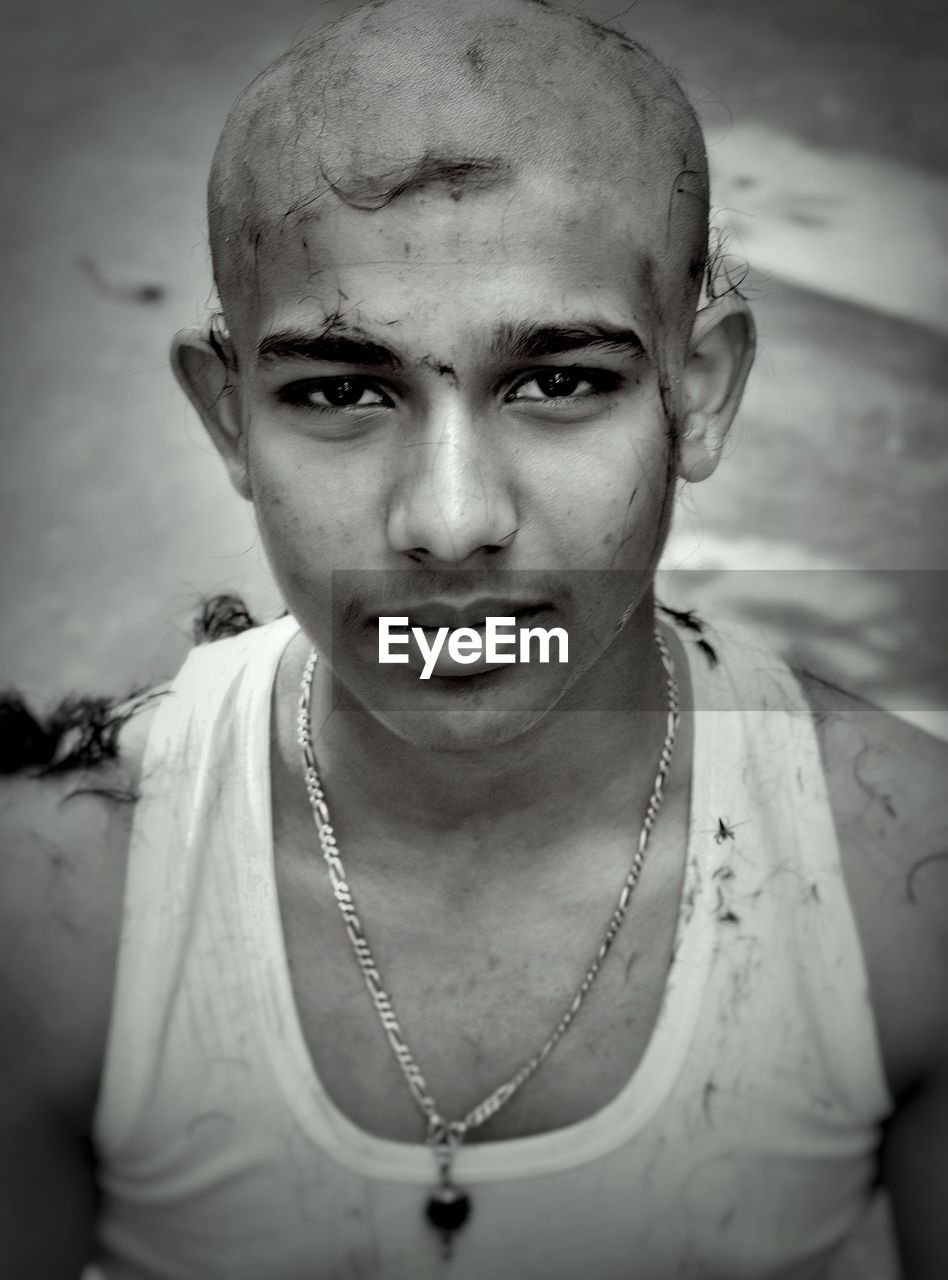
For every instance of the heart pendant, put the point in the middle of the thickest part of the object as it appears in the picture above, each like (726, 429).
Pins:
(447, 1210)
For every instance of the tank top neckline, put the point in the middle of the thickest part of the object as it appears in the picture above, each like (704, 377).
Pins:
(569, 1146)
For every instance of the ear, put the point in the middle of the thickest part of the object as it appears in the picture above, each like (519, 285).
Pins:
(721, 355)
(208, 380)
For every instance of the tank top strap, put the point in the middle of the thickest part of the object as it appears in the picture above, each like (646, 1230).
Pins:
(201, 728)
(774, 852)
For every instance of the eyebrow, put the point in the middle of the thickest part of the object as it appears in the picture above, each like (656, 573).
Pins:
(520, 341)
(333, 345)
(532, 342)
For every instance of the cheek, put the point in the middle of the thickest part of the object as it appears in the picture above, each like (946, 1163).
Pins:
(613, 501)
(632, 517)
(300, 502)
(308, 526)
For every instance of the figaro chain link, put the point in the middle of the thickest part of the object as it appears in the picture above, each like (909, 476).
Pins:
(441, 1132)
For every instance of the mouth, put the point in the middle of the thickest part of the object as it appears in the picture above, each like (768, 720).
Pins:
(430, 622)
(434, 614)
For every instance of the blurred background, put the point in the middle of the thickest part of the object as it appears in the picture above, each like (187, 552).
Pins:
(827, 523)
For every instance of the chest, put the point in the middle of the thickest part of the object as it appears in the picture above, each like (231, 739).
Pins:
(478, 992)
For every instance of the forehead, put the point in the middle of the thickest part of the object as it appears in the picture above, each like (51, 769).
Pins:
(524, 101)
(534, 248)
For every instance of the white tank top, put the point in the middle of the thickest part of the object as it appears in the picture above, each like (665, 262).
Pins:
(741, 1146)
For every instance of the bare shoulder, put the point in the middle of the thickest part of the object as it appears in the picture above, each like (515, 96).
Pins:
(888, 788)
(63, 850)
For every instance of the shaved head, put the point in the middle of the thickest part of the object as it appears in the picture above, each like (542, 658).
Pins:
(452, 98)
(459, 246)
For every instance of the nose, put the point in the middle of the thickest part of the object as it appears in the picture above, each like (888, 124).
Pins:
(452, 495)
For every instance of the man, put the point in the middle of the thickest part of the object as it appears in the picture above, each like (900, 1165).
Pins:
(348, 992)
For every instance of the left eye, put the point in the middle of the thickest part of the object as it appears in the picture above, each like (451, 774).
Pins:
(334, 393)
(560, 384)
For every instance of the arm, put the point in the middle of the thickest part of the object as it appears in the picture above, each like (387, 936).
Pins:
(887, 788)
(915, 1170)
(62, 862)
(915, 1146)
(47, 1189)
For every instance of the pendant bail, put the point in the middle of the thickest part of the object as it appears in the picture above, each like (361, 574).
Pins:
(445, 1136)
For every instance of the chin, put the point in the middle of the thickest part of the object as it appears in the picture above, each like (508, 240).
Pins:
(457, 729)
(468, 713)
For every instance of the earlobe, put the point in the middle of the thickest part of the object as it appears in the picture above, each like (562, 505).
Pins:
(721, 355)
(208, 380)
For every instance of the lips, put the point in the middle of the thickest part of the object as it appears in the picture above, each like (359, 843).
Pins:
(434, 614)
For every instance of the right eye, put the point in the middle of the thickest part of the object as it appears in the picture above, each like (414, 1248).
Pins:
(326, 395)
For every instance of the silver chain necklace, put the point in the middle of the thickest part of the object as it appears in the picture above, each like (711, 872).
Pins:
(448, 1206)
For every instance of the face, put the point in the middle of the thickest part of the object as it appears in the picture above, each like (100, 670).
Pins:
(454, 404)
